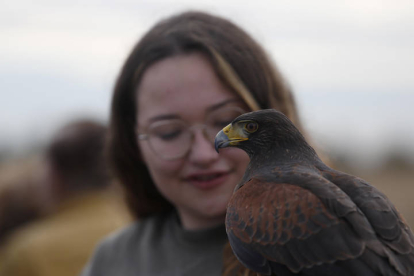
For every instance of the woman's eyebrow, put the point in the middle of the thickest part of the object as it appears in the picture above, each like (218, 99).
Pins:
(219, 105)
(209, 109)
(163, 117)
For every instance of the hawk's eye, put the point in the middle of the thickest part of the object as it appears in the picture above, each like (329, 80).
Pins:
(251, 127)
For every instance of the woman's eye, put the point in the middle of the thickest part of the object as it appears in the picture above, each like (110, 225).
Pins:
(169, 135)
(168, 132)
(251, 127)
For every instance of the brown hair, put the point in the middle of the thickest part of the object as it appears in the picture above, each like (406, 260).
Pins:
(76, 154)
(239, 62)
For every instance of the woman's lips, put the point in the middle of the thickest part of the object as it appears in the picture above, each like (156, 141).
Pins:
(208, 181)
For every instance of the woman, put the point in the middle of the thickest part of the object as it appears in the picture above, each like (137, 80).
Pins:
(188, 77)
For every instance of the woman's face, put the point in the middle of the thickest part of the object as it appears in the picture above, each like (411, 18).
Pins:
(185, 88)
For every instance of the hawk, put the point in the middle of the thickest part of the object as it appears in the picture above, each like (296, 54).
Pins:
(293, 215)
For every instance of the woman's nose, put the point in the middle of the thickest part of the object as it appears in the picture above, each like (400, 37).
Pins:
(202, 151)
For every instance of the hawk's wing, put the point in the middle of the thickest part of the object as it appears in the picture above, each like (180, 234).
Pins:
(275, 226)
(388, 224)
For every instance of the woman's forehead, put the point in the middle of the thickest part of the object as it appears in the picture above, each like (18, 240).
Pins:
(182, 85)
(178, 71)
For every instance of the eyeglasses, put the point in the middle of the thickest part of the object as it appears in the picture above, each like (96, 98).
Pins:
(172, 139)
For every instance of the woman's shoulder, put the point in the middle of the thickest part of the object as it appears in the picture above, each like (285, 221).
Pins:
(119, 250)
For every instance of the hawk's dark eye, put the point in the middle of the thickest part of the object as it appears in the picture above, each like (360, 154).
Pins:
(251, 127)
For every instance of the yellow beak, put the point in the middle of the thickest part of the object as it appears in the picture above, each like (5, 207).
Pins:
(229, 136)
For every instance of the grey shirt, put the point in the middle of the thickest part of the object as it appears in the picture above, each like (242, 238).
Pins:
(159, 246)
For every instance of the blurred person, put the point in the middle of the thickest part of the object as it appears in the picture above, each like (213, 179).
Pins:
(86, 207)
(189, 76)
(21, 193)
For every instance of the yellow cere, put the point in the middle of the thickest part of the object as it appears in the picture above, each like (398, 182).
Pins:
(234, 134)
(226, 130)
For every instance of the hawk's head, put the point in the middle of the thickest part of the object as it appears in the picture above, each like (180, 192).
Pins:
(261, 132)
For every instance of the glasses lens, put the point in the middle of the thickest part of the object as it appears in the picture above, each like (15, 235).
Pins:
(173, 138)
(219, 119)
(169, 139)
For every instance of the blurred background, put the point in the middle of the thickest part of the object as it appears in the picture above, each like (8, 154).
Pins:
(350, 64)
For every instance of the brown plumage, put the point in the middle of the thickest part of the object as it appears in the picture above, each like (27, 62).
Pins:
(293, 215)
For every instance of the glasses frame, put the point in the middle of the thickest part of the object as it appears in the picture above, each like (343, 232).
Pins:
(190, 128)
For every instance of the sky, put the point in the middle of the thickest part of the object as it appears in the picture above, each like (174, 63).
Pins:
(350, 64)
